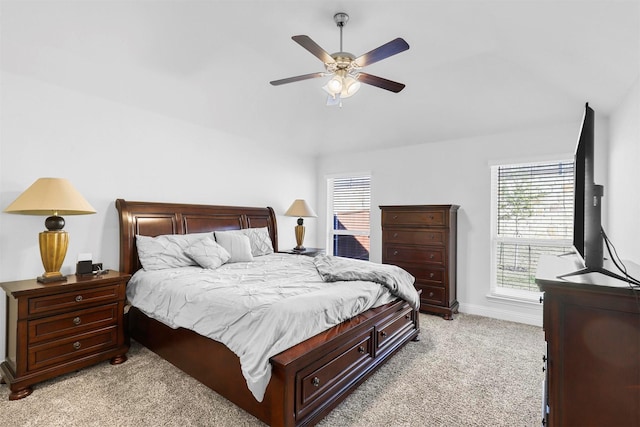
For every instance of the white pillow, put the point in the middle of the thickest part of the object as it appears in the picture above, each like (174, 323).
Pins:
(236, 244)
(166, 251)
(207, 253)
(259, 239)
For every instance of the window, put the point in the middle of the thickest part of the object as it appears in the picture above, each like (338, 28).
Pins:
(349, 204)
(533, 215)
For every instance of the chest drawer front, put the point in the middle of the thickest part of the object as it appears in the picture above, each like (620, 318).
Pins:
(431, 294)
(431, 275)
(73, 300)
(415, 237)
(70, 348)
(332, 373)
(389, 331)
(414, 218)
(428, 254)
(72, 323)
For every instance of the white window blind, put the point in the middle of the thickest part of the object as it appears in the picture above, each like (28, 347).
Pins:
(350, 206)
(534, 215)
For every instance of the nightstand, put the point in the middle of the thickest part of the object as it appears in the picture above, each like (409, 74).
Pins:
(60, 327)
(306, 251)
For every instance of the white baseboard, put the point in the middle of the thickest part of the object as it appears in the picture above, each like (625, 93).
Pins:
(502, 314)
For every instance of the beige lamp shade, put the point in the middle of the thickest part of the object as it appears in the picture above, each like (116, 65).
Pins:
(301, 209)
(51, 197)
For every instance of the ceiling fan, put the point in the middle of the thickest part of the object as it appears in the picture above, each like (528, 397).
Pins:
(345, 67)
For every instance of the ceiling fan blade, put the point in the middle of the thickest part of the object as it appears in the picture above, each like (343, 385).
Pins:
(314, 48)
(297, 78)
(380, 82)
(386, 50)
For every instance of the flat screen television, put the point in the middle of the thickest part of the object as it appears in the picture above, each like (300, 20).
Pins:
(588, 238)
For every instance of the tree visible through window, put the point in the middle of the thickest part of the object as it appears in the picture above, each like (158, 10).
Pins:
(350, 206)
(534, 216)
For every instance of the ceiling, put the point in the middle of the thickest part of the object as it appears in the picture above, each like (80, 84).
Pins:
(474, 67)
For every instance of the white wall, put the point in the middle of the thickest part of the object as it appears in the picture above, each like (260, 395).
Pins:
(621, 197)
(458, 172)
(110, 151)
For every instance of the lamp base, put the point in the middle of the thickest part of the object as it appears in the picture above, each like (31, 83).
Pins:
(299, 248)
(52, 277)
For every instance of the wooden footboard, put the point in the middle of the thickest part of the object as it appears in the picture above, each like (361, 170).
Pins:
(308, 380)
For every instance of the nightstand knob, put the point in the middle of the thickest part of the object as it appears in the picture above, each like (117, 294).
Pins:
(315, 381)
(76, 345)
(432, 256)
(79, 298)
(76, 321)
(395, 252)
(431, 274)
(430, 294)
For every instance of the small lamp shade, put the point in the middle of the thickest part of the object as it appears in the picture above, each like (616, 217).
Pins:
(301, 209)
(51, 197)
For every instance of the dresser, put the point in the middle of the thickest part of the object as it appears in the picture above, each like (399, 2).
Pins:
(592, 329)
(56, 328)
(422, 240)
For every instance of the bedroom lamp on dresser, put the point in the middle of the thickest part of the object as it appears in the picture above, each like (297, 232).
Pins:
(422, 240)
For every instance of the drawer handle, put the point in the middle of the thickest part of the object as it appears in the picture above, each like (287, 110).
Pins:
(395, 217)
(407, 316)
(76, 345)
(361, 350)
(431, 274)
(395, 234)
(384, 334)
(430, 294)
(395, 252)
(430, 216)
(79, 298)
(432, 256)
(76, 321)
(315, 381)
(433, 236)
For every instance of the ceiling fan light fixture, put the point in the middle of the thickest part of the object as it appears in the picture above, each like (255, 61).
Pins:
(350, 87)
(335, 85)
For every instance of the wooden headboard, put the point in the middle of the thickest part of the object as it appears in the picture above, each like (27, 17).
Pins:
(154, 219)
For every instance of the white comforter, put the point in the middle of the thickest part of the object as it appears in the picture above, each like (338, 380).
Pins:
(257, 309)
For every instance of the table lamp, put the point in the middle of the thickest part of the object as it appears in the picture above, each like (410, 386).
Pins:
(301, 209)
(52, 197)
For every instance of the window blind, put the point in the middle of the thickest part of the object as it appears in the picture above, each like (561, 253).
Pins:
(351, 207)
(534, 216)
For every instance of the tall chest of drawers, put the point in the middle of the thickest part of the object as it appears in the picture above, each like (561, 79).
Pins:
(422, 240)
(60, 327)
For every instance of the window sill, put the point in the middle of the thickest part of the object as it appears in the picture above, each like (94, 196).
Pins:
(515, 295)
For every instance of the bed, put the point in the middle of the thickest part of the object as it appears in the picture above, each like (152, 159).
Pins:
(308, 379)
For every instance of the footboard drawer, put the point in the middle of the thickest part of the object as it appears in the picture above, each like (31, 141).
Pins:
(389, 331)
(333, 372)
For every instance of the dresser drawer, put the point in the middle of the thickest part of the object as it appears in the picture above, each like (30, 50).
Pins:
(387, 332)
(393, 254)
(73, 300)
(431, 294)
(73, 347)
(333, 372)
(432, 275)
(414, 218)
(415, 237)
(72, 323)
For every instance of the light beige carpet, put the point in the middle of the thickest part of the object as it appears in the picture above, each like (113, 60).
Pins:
(472, 371)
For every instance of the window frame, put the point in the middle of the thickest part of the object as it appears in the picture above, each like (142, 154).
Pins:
(331, 232)
(504, 293)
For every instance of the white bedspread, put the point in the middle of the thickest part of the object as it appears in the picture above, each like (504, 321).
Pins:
(257, 309)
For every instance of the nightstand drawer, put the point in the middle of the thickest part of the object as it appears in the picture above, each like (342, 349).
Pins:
(72, 300)
(70, 348)
(72, 323)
